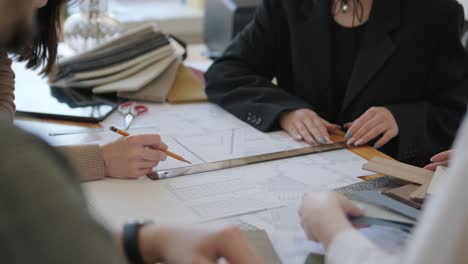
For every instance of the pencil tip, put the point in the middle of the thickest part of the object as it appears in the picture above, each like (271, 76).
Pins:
(113, 128)
(188, 161)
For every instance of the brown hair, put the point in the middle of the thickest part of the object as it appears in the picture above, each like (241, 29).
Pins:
(43, 50)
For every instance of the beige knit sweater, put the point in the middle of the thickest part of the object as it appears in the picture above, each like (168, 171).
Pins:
(87, 159)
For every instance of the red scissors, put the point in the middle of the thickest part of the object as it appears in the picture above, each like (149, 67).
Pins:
(130, 110)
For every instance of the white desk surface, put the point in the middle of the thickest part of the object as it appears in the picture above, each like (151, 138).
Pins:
(205, 126)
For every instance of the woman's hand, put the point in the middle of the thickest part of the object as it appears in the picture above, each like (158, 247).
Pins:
(441, 159)
(374, 122)
(305, 124)
(184, 245)
(133, 156)
(324, 215)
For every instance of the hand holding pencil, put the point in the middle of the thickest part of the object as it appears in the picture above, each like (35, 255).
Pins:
(132, 156)
(169, 153)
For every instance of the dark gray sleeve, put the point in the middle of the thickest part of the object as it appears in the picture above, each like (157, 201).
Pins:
(241, 80)
(429, 127)
(44, 218)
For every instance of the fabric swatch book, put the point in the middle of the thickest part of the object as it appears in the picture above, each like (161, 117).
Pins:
(188, 87)
(141, 64)
(131, 45)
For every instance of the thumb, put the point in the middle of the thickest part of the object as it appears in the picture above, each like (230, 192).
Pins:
(352, 209)
(349, 207)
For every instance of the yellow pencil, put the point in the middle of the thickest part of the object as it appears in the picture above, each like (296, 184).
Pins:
(169, 153)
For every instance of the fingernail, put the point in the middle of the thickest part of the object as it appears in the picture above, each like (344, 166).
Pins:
(322, 140)
(377, 146)
(328, 140)
(351, 141)
(348, 134)
(310, 141)
(297, 137)
(358, 143)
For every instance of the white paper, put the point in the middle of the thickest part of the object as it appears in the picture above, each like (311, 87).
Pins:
(221, 194)
(184, 200)
(237, 143)
(255, 194)
(116, 201)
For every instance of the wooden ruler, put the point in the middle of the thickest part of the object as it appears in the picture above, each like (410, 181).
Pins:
(238, 162)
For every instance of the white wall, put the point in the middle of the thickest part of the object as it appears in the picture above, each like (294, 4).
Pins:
(465, 6)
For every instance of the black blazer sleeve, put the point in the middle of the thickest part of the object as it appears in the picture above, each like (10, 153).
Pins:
(429, 126)
(241, 81)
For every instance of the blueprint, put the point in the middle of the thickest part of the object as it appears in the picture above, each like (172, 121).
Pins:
(237, 143)
(265, 195)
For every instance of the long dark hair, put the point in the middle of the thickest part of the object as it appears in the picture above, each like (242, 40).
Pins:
(43, 49)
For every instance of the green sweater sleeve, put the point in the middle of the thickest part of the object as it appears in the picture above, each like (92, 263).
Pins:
(45, 218)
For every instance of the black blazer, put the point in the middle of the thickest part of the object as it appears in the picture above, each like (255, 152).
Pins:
(410, 61)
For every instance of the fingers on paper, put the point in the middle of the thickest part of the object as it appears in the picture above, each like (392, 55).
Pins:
(294, 133)
(317, 132)
(385, 139)
(304, 132)
(357, 125)
(371, 134)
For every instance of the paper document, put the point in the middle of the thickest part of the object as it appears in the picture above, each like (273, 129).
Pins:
(239, 142)
(221, 194)
(183, 200)
(266, 195)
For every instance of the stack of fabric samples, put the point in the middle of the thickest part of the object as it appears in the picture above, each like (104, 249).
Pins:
(141, 64)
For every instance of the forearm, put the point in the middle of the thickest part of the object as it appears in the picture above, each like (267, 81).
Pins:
(241, 80)
(250, 96)
(47, 219)
(261, 108)
(7, 88)
(87, 159)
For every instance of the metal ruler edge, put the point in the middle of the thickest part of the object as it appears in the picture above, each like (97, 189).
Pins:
(244, 161)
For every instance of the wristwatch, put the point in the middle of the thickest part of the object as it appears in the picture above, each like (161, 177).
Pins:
(130, 240)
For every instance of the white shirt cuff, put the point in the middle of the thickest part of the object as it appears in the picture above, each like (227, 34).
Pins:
(349, 247)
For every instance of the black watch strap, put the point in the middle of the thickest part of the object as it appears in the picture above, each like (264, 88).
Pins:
(130, 241)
